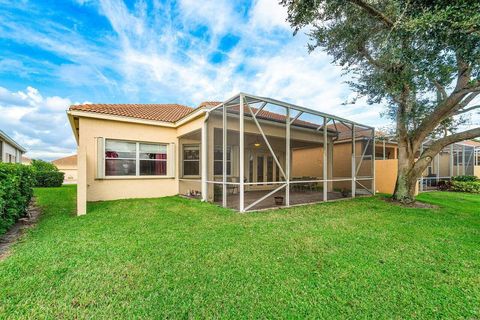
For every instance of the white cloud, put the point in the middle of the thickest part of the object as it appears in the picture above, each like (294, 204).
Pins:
(159, 52)
(268, 14)
(38, 123)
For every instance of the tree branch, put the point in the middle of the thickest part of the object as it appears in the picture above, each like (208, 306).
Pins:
(440, 89)
(374, 12)
(448, 106)
(364, 52)
(464, 103)
(439, 144)
(462, 111)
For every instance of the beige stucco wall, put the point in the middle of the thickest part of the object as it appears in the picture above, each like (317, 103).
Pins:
(122, 187)
(70, 174)
(476, 171)
(307, 162)
(385, 175)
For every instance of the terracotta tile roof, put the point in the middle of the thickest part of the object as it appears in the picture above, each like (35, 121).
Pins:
(273, 116)
(157, 112)
(66, 161)
(472, 143)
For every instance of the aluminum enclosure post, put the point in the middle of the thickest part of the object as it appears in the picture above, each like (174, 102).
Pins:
(204, 158)
(224, 158)
(373, 163)
(242, 155)
(354, 163)
(325, 160)
(287, 159)
(451, 161)
(421, 177)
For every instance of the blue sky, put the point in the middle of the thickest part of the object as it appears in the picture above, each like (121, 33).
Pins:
(57, 53)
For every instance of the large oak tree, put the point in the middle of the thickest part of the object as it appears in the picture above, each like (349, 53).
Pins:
(420, 58)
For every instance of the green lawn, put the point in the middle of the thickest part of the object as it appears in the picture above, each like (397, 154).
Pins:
(180, 258)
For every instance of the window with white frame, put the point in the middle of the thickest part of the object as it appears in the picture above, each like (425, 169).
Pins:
(126, 158)
(191, 160)
(218, 161)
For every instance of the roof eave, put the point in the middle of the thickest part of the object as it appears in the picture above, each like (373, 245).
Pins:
(4, 136)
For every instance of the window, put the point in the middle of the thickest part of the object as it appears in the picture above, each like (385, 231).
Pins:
(120, 158)
(260, 169)
(125, 158)
(218, 161)
(250, 168)
(153, 159)
(269, 168)
(191, 160)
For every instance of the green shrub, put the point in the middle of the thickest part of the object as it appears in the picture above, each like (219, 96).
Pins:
(464, 178)
(49, 178)
(16, 190)
(466, 186)
(47, 174)
(40, 165)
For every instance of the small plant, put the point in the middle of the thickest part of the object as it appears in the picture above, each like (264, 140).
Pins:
(217, 193)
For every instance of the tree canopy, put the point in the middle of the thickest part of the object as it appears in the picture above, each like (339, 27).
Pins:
(420, 58)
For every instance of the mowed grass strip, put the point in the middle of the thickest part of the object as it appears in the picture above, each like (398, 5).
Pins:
(180, 258)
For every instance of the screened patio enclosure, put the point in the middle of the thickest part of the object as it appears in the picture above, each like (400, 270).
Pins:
(259, 153)
(454, 160)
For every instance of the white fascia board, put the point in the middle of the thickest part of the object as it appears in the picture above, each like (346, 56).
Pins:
(71, 120)
(191, 116)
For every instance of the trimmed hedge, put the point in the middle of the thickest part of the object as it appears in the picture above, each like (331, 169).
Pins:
(464, 178)
(465, 186)
(47, 174)
(49, 178)
(16, 190)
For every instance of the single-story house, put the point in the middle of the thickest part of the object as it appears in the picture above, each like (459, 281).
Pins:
(10, 151)
(242, 153)
(67, 165)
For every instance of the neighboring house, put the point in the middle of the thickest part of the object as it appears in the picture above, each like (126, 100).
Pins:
(142, 151)
(68, 165)
(26, 160)
(10, 151)
(462, 158)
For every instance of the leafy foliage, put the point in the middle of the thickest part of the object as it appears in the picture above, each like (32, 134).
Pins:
(47, 174)
(40, 165)
(465, 186)
(16, 190)
(49, 178)
(402, 44)
(465, 178)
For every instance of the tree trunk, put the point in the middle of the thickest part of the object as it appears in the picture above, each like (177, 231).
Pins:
(405, 186)
(410, 169)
